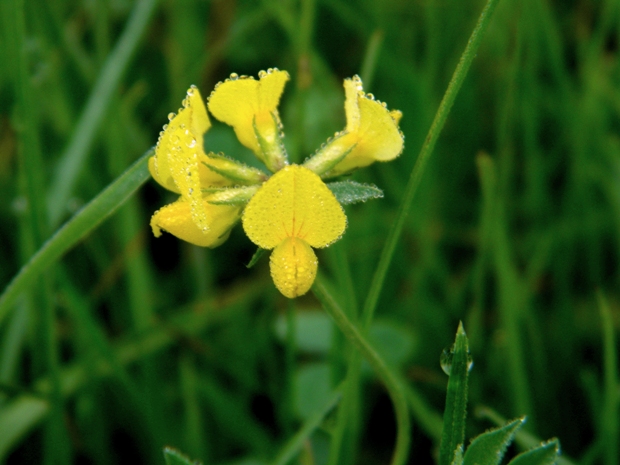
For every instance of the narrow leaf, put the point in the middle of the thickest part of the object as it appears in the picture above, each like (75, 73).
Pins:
(174, 457)
(543, 455)
(489, 447)
(455, 412)
(348, 192)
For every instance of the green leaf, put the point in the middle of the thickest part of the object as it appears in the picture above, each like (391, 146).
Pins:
(174, 457)
(257, 255)
(311, 388)
(455, 412)
(543, 455)
(489, 447)
(314, 331)
(348, 192)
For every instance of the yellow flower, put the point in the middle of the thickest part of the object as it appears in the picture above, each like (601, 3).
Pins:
(291, 213)
(371, 134)
(251, 108)
(181, 165)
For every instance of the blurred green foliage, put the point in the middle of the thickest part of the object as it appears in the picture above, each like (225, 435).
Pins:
(131, 343)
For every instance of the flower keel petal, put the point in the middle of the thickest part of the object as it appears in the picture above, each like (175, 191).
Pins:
(293, 267)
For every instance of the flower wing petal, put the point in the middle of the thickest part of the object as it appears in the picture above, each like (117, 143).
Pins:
(294, 202)
(176, 218)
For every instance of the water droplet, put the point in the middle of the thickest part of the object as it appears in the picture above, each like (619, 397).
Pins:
(234, 76)
(165, 127)
(370, 96)
(190, 91)
(262, 74)
(171, 116)
(192, 143)
(446, 361)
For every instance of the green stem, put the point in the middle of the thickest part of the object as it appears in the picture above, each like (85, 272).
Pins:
(391, 382)
(73, 158)
(294, 445)
(73, 231)
(427, 149)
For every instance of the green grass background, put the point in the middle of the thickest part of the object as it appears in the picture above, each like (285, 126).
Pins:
(131, 343)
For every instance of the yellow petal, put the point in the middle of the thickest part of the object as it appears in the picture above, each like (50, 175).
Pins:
(239, 102)
(191, 120)
(294, 202)
(377, 137)
(176, 219)
(293, 267)
(352, 88)
(372, 130)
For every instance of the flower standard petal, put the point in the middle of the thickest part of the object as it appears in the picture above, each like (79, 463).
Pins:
(251, 107)
(294, 202)
(176, 218)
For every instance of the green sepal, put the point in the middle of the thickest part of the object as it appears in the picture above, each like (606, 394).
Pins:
(234, 196)
(234, 170)
(489, 448)
(257, 255)
(328, 156)
(174, 457)
(348, 192)
(273, 153)
(545, 454)
(453, 433)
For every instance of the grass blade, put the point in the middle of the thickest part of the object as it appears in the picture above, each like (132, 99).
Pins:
(74, 230)
(73, 158)
(453, 434)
